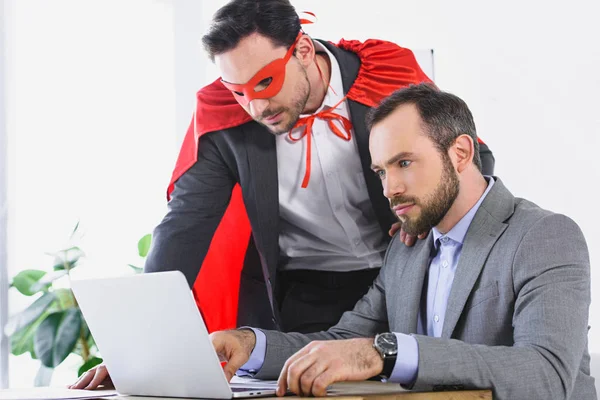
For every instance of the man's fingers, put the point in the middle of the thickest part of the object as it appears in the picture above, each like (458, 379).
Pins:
(394, 228)
(230, 348)
(309, 375)
(423, 235)
(219, 345)
(235, 362)
(83, 379)
(99, 377)
(282, 382)
(296, 370)
(410, 240)
(322, 382)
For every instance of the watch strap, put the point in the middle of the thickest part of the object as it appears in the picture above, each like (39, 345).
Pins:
(389, 362)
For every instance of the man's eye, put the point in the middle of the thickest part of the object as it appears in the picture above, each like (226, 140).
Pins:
(405, 163)
(262, 85)
(380, 174)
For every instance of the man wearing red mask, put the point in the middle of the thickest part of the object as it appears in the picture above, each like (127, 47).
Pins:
(274, 216)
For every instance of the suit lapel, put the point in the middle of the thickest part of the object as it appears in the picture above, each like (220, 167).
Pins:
(483, 233)
(410, 287)
(263, 193)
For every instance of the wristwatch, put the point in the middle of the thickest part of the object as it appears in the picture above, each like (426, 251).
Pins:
(387, 346)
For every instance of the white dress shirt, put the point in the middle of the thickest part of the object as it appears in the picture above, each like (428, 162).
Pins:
(329, 225)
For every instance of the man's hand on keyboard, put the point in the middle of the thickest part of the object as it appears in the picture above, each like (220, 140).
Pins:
(234, 347)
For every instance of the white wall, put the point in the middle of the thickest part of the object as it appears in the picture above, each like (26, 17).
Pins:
(530, 72)
(190, 61)
(91, 136)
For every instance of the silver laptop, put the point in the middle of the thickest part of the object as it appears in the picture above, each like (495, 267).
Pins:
(153, 339)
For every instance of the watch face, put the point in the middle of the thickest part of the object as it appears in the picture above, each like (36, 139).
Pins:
(387, 343)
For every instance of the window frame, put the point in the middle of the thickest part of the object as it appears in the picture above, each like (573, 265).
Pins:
(4, 349)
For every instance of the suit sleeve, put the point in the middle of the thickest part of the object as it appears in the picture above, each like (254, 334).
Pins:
(199, 200)
(368, 318)
(551, 275)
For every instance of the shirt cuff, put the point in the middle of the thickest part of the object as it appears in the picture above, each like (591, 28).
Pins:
(257, 357)
(407, 361)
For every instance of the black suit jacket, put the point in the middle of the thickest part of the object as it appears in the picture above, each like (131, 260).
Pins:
(247, 155)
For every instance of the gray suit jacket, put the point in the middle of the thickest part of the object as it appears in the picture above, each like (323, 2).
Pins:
(517, 315)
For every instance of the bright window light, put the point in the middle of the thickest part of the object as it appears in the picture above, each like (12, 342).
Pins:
(91, 136)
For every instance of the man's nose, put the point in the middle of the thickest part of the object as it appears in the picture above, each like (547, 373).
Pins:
(393, 186)
(258, 107)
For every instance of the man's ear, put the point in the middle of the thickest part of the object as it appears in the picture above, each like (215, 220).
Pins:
(462, 151)
(305, 50)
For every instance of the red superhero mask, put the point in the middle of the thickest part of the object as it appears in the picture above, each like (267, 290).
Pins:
(266, 83)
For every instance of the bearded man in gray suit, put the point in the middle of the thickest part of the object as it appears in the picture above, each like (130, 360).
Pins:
(496, 297)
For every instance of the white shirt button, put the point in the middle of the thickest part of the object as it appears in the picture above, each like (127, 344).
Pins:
(436, 318)
(445, 264)
(356, 242)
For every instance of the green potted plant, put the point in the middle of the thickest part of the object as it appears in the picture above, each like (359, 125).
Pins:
(52, 327)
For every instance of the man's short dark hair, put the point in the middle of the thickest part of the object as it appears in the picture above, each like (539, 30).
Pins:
(444, 115)
(275, 19)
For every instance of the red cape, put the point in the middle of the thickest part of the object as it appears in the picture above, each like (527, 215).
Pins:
(384, 68)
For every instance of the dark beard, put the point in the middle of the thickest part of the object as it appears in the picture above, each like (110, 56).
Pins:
(435, 208)
(294, 112)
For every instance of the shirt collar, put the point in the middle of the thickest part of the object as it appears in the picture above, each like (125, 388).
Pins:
(332, 97)
(459, 231)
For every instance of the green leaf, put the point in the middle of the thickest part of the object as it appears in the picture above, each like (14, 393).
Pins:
(144, 245)
(65, 251)
(65, 299)
(47, 279)
(91, 363)
(91, 345)
(60, 265)
(85, 329)
(75, 229)
(29, 315)
(24, 280)
(43, 376)
(22, 341)
(68, 263)
(137, 270)
(56, 336)
(67, 258)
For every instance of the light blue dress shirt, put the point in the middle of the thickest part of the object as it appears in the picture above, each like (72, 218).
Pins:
(257, 357)
(431, 319)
